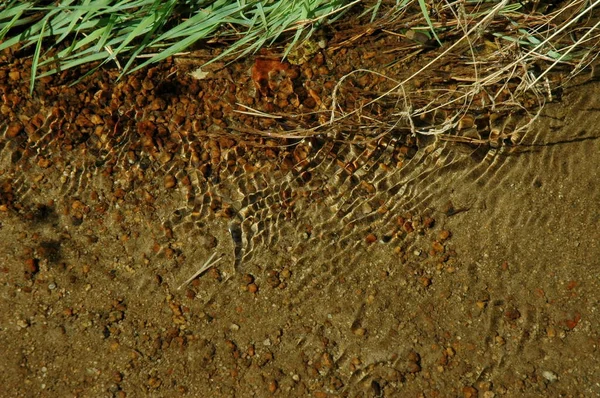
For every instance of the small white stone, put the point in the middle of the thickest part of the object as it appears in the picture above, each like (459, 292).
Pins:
(550, 376)
(22, 324)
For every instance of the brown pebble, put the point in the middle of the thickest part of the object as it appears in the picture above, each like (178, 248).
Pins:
(444, 234)
(285, 273)
(44, 163)
(120, 193)
(273, 386)
(14, 75)
(252, 288)
(428, 222)
(186, 181)
(408, 227)
(273, 279)
(170, 181)
(469, 392)
(14, 129)
(414, 356)
(96, 120)
(360, 331)
(425, 281)
(147, 84)
(148, 196)
(437, 247)
(31, 267)
(169, 253)
(157, 104)
(214, 274)
(154, 382)
(164, 158)
(371, 238)
(413, 367)
(512, 314)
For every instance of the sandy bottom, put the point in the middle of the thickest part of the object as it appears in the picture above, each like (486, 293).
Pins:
(454, 276)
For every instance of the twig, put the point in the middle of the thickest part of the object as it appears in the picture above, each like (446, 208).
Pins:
(204, 267)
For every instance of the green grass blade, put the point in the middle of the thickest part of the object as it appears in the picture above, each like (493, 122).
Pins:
(94, 57)
(14, 13)
(36, 56)
(425, 13)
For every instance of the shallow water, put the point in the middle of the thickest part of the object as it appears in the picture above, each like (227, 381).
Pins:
(449, 272)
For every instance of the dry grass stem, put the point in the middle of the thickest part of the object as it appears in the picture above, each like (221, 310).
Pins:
(209, 263)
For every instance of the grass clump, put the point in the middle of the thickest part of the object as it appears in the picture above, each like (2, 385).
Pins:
(69, 33)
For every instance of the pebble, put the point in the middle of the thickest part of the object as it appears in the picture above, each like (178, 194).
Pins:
(44, 163)
(413, 367)
(366, 208)
(512, 314)
(425, 281)
(273, 386)
(550, 376)
(170, 181)
(154, 382)
(14, 75)
(31, 268)
(285, 273)
(469, 392)
(14, 129)
(444, 235)
(360, 331)
(371, 238)
(414, 362)
(429, 222)
(22, 324)
(95, 119)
